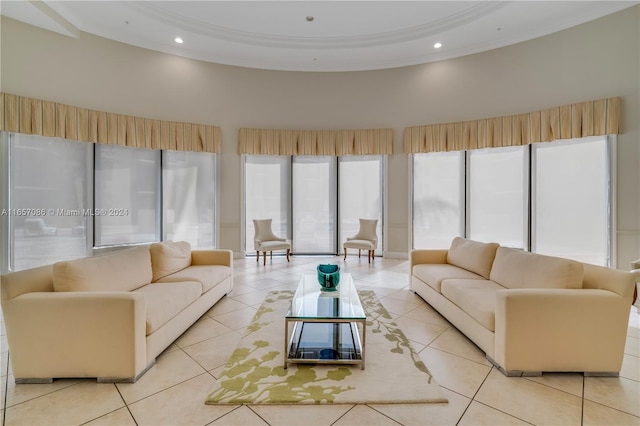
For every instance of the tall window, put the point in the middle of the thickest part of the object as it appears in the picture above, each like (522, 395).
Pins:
(49, 196)
(360, 189)
(302, 194)
(188, 197)
(497, 202)
(568, 206)
(572, 200)
(438, 199)
(267, 193)
(127, 195)
(314, 204)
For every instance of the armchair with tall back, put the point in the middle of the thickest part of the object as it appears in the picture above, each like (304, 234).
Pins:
(266, 241)
(365, 239)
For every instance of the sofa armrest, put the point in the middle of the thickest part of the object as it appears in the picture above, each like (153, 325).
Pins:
(421, 256)
(76, 334)
(560, 329)
(212, 257)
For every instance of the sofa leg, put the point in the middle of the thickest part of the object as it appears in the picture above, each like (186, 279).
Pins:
(33, 380)
(126, 379)
(508, 373)
(601, 374)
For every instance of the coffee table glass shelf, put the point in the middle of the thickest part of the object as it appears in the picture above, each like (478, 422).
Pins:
(325, 324)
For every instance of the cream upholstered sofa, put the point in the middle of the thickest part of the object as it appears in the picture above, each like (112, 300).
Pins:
(528, 312)
(108, 316)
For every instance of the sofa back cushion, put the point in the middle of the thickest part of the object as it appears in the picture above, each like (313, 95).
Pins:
(123, 270)
(169, 257)
(515, 268)
(472, 255)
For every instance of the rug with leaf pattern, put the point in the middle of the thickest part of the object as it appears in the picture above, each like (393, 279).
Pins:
(255, 372)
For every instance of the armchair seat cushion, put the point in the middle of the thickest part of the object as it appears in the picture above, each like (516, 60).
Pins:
(274, 245)
(207, 275)
(165, 300)
(359, 244)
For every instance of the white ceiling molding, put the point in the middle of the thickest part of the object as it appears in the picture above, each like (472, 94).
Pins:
(342, 36)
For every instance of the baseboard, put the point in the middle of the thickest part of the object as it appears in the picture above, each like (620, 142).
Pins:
(396, 255)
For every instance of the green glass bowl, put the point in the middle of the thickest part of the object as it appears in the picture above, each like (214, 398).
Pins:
(328, 276)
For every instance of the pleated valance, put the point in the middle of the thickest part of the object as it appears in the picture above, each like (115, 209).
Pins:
(315, 142)
(20, 114)
(592, 118)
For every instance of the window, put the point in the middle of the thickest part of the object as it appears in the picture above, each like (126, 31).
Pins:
(438, 199)
(497, 187)
(572, 200)
(301, 193)
(360, 193)
(49, 200)
(559, 203)
(188, 197)
(314, 204)
(267, 193)
(127, 193)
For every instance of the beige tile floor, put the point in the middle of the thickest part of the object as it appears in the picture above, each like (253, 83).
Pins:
(173, 391)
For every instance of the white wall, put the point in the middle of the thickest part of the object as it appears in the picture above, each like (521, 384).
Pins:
(595, 60)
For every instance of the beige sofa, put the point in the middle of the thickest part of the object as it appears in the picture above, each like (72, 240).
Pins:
(529, 313)
(108, 316)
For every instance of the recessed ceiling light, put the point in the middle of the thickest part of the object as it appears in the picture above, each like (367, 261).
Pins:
(309, 18)
(438, 45)
(178, 40)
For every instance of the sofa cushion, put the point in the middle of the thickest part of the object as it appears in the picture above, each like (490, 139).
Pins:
(514, 268)
(169, 257)
(434, 273)
(123, 270)
(164, 301)
(475, 297)
(472, 255)
(207, 275)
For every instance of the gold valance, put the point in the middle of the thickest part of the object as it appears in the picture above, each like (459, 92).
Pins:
(592, 118)
(20, 114)
(315, 142)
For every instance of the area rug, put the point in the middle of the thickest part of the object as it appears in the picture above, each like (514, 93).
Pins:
(255, 372)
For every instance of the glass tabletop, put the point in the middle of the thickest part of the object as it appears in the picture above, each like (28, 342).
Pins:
(311, 302)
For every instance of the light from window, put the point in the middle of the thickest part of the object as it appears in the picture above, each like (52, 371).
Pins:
(267, 194)
(188, 197)
(497, 208)
(314, 204)
(571, 201)
(360, 194)
(127, 195)
(49, 194)
(438, 199)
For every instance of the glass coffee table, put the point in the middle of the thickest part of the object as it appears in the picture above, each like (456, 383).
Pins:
(325, 324)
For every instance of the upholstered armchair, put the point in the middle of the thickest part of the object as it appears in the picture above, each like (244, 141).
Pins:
(365, 239)
(266, 241)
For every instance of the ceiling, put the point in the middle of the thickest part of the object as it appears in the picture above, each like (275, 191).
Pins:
(312, 35)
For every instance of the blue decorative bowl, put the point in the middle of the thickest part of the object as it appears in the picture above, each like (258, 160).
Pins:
(328, 277)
